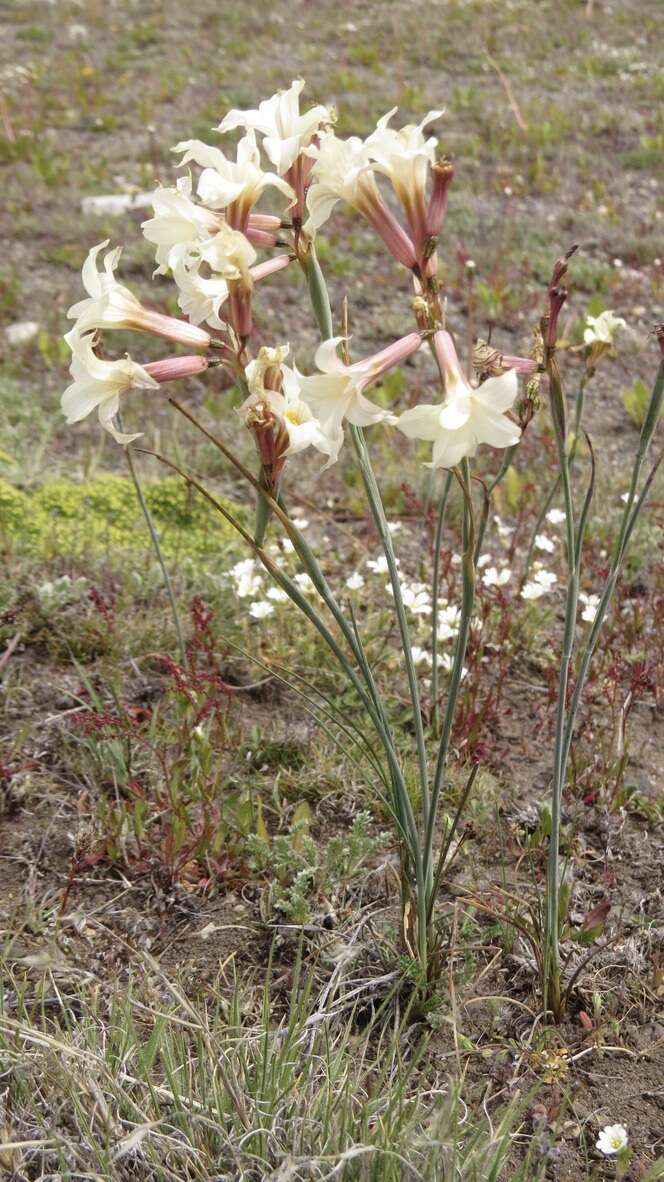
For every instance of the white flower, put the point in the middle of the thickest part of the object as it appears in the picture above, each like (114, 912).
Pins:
(336, 393)
(446, 661)
(246, 578)
(602, 328)
(277, 594)
(110, 305)
(544, 543)
(286, 131)
(379, 565)
(493, 577)
(612, 1139)
(541, 583)
(546, 578)
(300, 523)
(449, 619)
(233, 185)
(228, 253)
(394, 527)
(404, 156)
(416, 597)
(555, 516)
(342, 171)
(467, 417)
(355, 582)
(99, 384)
(199, 297)
(287, 404)
(260, 610)
(305, 583)
(591, 604)
(420, 655)
(178, 221)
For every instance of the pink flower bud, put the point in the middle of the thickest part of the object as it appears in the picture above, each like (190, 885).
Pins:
(443, 173)
(557, 297)
(173, 368)
(393, 355)
(524, 365)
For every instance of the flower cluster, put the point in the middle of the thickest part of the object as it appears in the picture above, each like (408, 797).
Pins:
(208, 230)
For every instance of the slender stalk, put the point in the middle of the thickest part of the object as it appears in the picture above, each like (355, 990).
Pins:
(508, 456)
(435, 588)
(467, 602)
(551, 959)
(551, 495)
(378, 512)
(158, 551)
(631, 513)
(320, 303)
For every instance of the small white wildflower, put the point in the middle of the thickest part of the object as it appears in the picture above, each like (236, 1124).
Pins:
(612, 1139)
(261, 609)
(591, 603)
(542, 542)
(277, 594)
(493, 577)
(483, 560)
(555, 516)
(379, 565)
(446, 661)
(394, 526)
(449, 619)
(532, 590)
(420, 655)
(504, 531)
(541, 583)
(300, 522)
(602, 328)
(287, 545)
(416, 597)
(304, 582)
(355, 582)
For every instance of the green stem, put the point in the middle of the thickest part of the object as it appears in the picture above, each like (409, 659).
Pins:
(551, 958)
(435, 589)
(551, 495)
(467, 602)
(160, 557)
(509, 455)
(378, 512)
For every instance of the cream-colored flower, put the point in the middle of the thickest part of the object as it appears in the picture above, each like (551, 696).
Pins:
(467, 417)
(405, 156)
(287, 133)
(336, 392)
(342, 172)
(110, 305)
(285, 402)
(98, 385)
(233, 185)
(178, 221)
